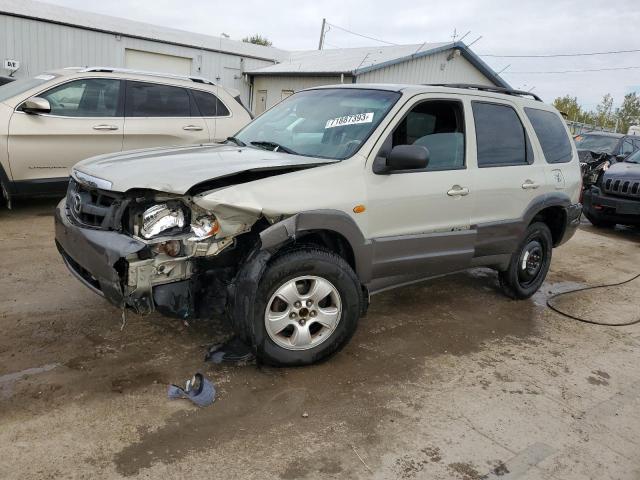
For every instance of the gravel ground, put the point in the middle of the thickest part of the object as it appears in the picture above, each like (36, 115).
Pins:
(447, 379)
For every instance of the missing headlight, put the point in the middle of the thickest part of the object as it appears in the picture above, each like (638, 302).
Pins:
(160, 218)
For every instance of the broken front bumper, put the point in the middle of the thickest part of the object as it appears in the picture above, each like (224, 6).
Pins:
(91, 255)
(107, 263)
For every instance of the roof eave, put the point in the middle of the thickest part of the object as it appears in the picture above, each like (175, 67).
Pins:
(474, 59)
(139, 37)
(297, 73)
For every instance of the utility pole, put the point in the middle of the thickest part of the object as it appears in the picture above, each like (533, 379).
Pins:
(320, 45)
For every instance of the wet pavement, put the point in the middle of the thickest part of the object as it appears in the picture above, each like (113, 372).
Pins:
(447, 379)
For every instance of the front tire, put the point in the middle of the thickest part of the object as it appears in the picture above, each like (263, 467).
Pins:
(529, 263)
(307, 307)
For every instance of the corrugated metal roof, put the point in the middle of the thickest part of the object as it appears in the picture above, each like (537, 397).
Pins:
(354, 61)
(104, 23)
(344, 60)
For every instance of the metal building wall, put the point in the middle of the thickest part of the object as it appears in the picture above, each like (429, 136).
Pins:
(275, 84)
(428, 69)
(41, 46)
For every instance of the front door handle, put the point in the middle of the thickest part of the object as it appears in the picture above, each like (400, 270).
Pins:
(458, 191)
(530, 185)
(105, 127)
(195, 128)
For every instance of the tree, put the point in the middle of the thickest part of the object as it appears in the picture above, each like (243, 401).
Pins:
(604, 112)
(258, 39)
(569, 106)
(629, 112)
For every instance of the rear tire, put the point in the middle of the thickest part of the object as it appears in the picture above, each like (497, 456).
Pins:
(307, 307)
(529, 263)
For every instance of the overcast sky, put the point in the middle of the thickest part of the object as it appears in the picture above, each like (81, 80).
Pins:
(507, 27)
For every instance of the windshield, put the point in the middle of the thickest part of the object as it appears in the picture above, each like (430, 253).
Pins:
(328, 123)
(633, 158)
(597, 143)
(17, 87)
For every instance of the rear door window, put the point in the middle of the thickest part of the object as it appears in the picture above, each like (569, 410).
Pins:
(156, 100)
(209, 105)
(500, 136)
(90, 97)
(552, 135)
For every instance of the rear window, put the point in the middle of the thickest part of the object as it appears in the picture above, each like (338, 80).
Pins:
(209, 105)
(500, 136)
(155, 100)
(552, 135)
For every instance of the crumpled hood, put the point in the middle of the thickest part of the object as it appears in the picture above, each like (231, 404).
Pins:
(177, 169)
(589, 156)
(623, 170)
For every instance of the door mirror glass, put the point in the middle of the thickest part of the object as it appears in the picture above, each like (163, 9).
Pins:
(408, 157)
(36, 105)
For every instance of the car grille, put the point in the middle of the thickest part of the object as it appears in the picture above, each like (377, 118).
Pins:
(622, 187)
(93, 207)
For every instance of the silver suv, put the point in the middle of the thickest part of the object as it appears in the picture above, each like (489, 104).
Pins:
(53, 120)
(333, 195)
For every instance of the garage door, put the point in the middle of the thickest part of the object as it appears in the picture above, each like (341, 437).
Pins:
(157, 62)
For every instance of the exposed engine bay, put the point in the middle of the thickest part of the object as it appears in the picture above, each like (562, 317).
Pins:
(593, 165)
(178, 245)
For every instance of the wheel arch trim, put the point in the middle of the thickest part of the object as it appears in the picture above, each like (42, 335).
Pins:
(287, 230)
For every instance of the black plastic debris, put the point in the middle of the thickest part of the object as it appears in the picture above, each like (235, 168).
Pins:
(233, 351)
(197, 389)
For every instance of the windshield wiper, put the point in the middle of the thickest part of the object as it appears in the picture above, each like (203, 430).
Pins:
(238, 142)
(276, 147)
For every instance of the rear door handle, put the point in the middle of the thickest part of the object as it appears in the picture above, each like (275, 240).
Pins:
(530, 185)
(195, 128)
(458, 191)
(105, 127)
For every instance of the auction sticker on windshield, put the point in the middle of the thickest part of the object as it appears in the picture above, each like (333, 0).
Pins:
(350, 120)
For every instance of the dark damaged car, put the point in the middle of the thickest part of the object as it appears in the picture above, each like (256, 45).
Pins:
(334, 194)
(615, 197)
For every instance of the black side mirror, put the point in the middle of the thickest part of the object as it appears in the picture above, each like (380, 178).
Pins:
(402, 157)
(621, 156)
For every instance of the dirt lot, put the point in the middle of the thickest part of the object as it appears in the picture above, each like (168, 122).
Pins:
(448, 379)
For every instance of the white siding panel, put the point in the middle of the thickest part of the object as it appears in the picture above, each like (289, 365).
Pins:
(274, 85)
(428, 69)
(41, 46)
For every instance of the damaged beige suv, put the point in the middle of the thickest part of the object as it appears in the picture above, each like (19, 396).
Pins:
(332, 195)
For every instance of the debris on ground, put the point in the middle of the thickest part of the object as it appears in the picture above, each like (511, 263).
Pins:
(233, 351)
(197, 389)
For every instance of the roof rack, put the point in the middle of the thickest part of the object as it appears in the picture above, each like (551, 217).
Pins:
(486, 88)
(150, 74)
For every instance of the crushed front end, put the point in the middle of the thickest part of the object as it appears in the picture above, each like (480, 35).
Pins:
(147, 250)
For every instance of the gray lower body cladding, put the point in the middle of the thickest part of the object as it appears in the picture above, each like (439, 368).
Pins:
(98, 258)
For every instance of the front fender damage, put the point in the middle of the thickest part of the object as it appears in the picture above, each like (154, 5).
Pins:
(199, 281)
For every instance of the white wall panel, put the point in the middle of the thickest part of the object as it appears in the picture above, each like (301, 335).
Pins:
(41, 46)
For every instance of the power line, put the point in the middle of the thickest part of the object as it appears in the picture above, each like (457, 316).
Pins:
(360, 35)
(552, 55)
(577, 71)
